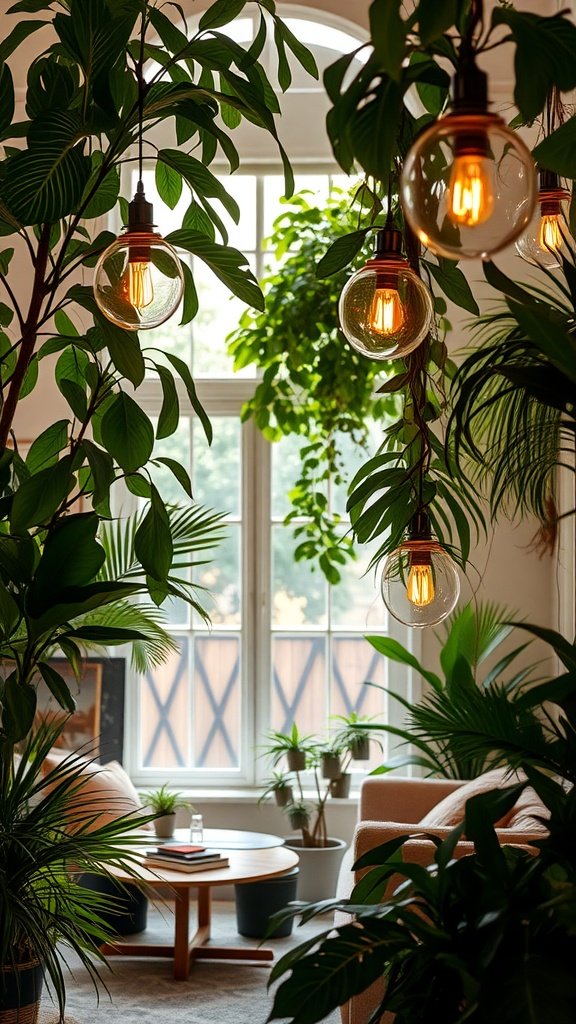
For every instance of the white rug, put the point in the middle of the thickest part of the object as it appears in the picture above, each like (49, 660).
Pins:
(143, 991)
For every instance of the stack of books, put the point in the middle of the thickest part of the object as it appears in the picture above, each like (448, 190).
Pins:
(185, 857)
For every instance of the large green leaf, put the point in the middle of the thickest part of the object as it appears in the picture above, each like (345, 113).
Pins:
(45, 449)
(544, 56)
(454, 284)
(76, 601)
(19, 701)
(228, 264)
(200, 178)
(435, 18)
(388, 31)
(6, 97)
(57, 570)
(124, 349)
(153, 539)
(45, 182)
(127, 433)
(58, 686)
(557, 152)
(221, 12)
(394, 650)
(341, 253)
(38, 498)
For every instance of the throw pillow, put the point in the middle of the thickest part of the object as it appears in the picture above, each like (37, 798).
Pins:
(106, 791)
(450, 811)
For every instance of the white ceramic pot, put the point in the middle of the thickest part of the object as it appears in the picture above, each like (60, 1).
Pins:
(319, 868)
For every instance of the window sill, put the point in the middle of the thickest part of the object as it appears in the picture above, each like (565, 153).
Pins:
(250, 796)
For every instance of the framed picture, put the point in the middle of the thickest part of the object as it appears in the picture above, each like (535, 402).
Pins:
(98, 722)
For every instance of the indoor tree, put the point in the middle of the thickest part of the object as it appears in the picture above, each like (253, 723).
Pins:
(107, 73)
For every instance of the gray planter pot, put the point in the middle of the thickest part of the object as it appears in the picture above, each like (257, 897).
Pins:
(165, 825)
(340, 787)
(331, 766)
(360, 749)
(296, 760)
(283, 796)
(319, 868)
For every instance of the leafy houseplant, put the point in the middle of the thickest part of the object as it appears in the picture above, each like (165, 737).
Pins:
(328, 763)
(164, 803)
(44, 831)
(314, 385)
(100, 79)
(471, 636)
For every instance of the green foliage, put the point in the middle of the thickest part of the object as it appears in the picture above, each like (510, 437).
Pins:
(314, 385)
(47, 838)
(67, 580)
(484, 936)
(470, 636)
(519, 383)
(487, 934)
(164, 800)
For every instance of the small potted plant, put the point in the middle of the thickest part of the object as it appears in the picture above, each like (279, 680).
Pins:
(164, 803)
(280, 787)
(354, 736)
(293, 746)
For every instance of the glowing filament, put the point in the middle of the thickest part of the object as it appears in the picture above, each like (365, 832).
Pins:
(470, 195)
(137, 285)
(386, 314)
(420, 586)
(549, 234)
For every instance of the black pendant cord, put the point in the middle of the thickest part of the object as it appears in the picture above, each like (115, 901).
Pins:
(140, 75)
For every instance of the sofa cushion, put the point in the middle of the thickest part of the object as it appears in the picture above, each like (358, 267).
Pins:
(450, 811)
(106, 791)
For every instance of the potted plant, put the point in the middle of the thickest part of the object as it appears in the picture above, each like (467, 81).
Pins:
(49, 840)
(164, 803)
(308, 817)
(279, 786)
(90, 97)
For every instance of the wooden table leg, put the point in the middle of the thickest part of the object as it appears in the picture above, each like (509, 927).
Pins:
(181, 927)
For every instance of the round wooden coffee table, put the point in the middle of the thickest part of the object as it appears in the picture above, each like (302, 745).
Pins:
(245, 866)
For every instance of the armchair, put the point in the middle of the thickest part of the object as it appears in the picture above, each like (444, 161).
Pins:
(391, 806)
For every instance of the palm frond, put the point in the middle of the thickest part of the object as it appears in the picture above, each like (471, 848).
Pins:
(149, 620)
(512, 409)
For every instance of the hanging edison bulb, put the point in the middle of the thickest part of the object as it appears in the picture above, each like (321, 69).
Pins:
(420, 584)
(468, 184)
(545, 240)
(138, 281)
(385, 309)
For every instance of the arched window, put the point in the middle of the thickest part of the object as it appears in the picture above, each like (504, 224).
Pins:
(283, 645)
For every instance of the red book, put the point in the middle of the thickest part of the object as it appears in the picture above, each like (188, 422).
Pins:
(180, 848)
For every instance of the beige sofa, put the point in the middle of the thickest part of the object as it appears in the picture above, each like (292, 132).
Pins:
(391, 806)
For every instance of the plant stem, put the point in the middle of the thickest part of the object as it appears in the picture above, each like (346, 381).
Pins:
(29, 332)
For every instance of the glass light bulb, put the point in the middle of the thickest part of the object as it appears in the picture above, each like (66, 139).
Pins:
(137, 286)
(387, 314)
(471, 195)
(420, 585)
(138, 281)
(547, 238)
(549, 234)
(468, 186)
(385, 309)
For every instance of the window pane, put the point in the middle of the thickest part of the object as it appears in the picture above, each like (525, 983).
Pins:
(242, 187)
(216, 468)
(176, 447)
(299, 592)
(165, 712)
(286, 469)
(298, 682)
(218, 314)
(222, 580)
(353, 600)
(217, 701)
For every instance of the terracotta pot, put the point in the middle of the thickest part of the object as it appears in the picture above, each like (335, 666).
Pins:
(20, 991)
(319, 868)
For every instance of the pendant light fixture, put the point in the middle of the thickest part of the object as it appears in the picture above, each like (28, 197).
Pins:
(385, 309)
(138, 280)
(420, 584)
(544, 241)
(468, 184)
